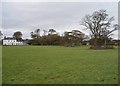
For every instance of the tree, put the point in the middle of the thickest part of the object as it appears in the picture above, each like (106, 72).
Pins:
(18, 35)
(78, 36)
(100, 26)
(67, 39)
(75, 37)
(49, 40)
(0, 37)
(44, 32)
(36, 37)
(46, 39)
(35, 34)
(1, 34)
(51, 31)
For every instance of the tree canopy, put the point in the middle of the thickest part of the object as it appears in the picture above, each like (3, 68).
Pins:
(18, 35)
(100, 26)
(35, 34)
(0, 34)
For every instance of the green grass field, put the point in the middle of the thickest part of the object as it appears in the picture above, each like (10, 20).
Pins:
(59, 65)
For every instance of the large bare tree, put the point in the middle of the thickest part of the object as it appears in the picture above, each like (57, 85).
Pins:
(100, 26)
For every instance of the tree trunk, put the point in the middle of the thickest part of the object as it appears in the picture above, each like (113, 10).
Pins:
(105, 44)
(95, 44)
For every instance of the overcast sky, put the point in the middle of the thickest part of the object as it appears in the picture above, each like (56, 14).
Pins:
(62, 16)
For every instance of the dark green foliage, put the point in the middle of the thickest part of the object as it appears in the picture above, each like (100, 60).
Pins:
(18, 36)
(50, 39)
(53, 38)
(35, 34)
(102, 43)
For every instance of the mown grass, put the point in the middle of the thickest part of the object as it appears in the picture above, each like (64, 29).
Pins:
(59, 65)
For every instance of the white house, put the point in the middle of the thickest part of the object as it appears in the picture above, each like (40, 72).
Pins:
(11, 41)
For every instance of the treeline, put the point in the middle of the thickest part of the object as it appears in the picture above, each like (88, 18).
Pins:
(98, 23)
(51, 37)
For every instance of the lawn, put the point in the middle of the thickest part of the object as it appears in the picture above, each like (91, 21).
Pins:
(59, 65)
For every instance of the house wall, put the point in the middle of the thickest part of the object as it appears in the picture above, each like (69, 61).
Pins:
(11, 42)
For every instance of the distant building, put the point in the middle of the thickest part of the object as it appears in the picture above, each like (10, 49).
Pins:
(11, 41)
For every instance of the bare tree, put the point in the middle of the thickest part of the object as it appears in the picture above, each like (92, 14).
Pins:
(100, 26)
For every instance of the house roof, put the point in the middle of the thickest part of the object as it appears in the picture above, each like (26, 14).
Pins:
(9, 38)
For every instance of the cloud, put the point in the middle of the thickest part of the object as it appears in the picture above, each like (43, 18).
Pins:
(60, 0)
(63, 16)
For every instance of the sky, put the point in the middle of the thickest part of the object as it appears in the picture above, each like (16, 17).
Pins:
(62, 16)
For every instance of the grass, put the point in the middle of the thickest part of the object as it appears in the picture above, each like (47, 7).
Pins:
(59, 65)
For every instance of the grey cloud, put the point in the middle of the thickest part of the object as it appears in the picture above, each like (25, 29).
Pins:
(62, 16)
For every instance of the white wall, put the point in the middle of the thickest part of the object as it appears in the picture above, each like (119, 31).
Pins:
(11, 42)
